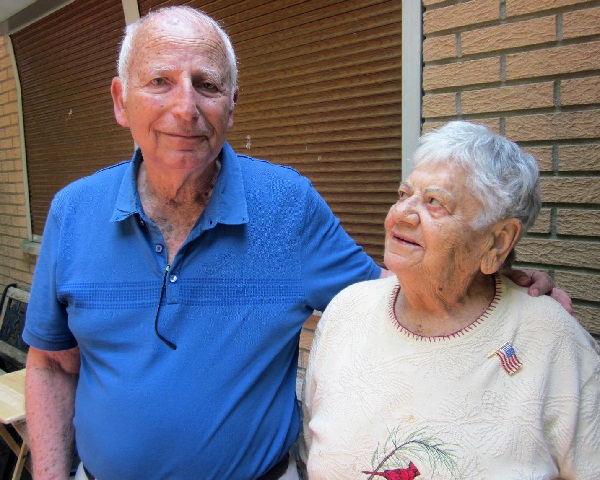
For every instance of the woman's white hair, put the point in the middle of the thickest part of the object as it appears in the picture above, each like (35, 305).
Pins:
(184, 12)
(500, 175)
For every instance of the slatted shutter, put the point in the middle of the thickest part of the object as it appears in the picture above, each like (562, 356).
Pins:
(320, 90)
(66, 62)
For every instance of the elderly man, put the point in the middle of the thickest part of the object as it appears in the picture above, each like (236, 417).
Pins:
(170, 290)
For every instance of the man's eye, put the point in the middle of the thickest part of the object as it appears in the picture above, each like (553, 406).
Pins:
(402, 195)
(435, 202)
(208, 86)
(158, 81)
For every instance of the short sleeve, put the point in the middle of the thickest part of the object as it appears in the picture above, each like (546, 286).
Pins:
(46, 322)
(331, 258)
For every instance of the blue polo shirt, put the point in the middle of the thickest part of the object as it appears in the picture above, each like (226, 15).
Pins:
(265, 253)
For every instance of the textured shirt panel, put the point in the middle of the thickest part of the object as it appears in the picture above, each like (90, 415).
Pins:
(234, 301)
(378, 398)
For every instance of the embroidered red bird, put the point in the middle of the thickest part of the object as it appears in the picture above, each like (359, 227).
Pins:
(398, 474)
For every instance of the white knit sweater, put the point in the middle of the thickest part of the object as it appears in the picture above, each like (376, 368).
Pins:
(377, 397)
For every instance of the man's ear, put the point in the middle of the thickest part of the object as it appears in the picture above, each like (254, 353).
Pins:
(116, 90)
(505, 234)
(235, 99)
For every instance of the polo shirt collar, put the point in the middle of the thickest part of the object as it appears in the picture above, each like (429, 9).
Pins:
(227, 203)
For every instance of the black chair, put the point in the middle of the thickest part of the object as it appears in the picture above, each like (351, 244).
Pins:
(13, 305)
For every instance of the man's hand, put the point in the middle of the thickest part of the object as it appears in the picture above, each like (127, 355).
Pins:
(540, 283)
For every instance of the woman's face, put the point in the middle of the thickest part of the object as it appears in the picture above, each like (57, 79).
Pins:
(428, 230)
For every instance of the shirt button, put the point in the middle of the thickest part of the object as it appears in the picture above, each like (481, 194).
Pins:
(173, 278)
(158, 248)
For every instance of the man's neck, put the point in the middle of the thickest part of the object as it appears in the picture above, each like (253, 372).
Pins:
(175, 204)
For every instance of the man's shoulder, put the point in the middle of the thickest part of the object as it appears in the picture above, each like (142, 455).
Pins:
(544, 317)
(99, 178)
(94, 188)
(265, 167)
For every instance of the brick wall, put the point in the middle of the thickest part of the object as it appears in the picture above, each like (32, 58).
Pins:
(531, 71)
(15, 265)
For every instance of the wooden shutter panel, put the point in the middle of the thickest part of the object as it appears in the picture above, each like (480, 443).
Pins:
(320, 90)
(66, 62)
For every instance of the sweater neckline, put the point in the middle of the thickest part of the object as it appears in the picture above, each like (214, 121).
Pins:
(498, 288)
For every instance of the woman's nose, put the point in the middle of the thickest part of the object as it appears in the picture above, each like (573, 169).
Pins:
(405, 211)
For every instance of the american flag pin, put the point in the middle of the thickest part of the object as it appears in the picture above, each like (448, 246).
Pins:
(508, 358)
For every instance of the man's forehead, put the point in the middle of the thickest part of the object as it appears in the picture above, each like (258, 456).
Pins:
(176, 27)
(162, 43)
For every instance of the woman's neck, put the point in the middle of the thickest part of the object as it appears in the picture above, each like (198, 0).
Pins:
(439, 310)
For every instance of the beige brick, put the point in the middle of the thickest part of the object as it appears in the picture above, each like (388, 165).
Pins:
(542, 222)
(543, 155)
(579, 157)
(306, 338)
(570, 221)
(521, 97)
(311, 322)
(589, 317)
(570, 253)
(438, 48)
(580, 91)
(440, 105)
(521, 7)
(492, 123)
(510, 35)
(429, 3)
(12, 131)
(553, 61)
(473, 72)
(581, 23)
(11, 108)
(570, 189)
(581, 286)
(460, 15)
(557, 126)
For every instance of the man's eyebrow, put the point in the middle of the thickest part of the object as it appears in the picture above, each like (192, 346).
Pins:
(160, 70)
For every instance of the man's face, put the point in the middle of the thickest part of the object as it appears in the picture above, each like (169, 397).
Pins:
(178, 103)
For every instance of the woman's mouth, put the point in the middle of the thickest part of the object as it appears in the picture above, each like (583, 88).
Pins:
(406, 240)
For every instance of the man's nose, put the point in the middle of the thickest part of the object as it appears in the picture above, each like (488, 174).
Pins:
(185, 103)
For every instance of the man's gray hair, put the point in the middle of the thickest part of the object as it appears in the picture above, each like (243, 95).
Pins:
(187, 13)
(500, 175)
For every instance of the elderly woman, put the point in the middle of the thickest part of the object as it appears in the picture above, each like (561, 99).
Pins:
(447, 370)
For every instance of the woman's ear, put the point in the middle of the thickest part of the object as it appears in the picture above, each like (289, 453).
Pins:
(116, 90)
(505, 234)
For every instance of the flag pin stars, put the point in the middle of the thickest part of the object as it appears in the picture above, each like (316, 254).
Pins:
(508, 358)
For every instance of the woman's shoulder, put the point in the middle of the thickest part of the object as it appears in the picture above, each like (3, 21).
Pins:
(359, 299)
(543, 317)
(367, 289)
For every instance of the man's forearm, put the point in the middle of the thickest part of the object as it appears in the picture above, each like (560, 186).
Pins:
(50, 398)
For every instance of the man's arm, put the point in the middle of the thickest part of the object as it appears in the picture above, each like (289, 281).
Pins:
(51, 381)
